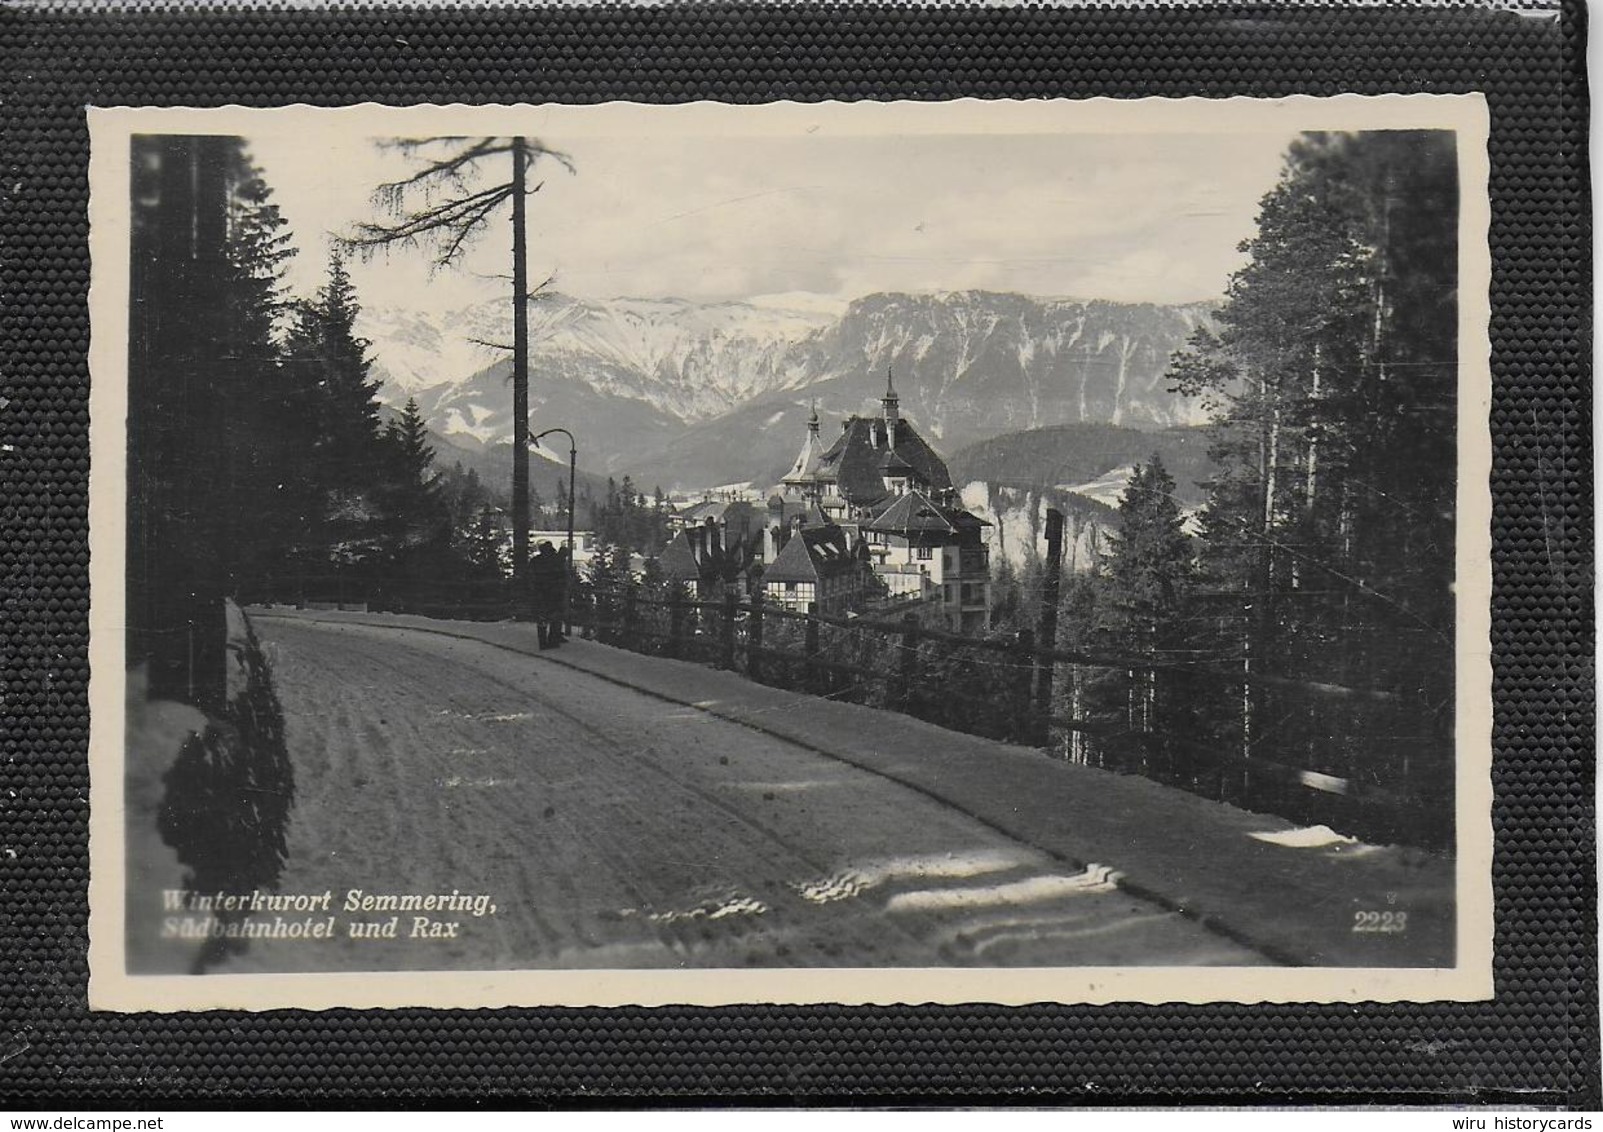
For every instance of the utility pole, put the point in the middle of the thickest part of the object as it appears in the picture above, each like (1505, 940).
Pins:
(1046, 637)
(520, 384)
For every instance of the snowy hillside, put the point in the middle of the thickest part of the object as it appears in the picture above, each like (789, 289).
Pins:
(1107, 489)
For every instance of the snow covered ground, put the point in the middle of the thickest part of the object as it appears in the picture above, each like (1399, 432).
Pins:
(611, 829)
(625, 811)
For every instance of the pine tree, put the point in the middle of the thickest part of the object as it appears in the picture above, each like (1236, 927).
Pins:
(254, 303)
(606, 577)
(330, 428)
(1333, 374)
(208, 248)
(1150, 565)
(415, 521)
(206, 276)
(1146, 612)
(482, 546)
(417, 499)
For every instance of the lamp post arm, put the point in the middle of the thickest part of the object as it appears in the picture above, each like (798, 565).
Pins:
(573, 476)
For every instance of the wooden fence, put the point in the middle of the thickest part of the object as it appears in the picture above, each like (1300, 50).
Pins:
(1370, 763)
(1379, 766)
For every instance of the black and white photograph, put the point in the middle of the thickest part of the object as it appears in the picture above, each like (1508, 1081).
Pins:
(844, 552)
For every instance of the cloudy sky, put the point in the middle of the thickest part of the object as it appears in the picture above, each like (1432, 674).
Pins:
(716, 216)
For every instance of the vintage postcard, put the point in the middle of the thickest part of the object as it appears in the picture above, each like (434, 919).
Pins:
(863, 553)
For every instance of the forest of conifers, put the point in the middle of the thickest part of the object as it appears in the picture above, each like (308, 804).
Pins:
(1305, 615)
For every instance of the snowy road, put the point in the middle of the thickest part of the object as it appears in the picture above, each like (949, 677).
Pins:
(611, 829)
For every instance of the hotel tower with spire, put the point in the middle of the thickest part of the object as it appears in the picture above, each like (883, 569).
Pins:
(880, 495)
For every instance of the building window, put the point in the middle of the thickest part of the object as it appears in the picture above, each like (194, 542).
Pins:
(925, 553)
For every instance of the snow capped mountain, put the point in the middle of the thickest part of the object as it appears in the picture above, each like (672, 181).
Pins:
(696, 393)
(415, 350)
(976, 363)
(691, 360)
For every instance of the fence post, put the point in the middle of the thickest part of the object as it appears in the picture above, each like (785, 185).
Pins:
(1133, 758)
(627, 634)
(676, 617)
(726, 646)
(1047, 626)
(1024, 729)
(813, 676)
(907, 665)
(603, 614)
(1170, 686)
(754, 637)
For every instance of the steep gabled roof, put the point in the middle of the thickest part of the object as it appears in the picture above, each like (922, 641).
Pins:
(678, 561)
(857, 461)
(701, 554)
(913, 512)
(916, 513)
(810, 554)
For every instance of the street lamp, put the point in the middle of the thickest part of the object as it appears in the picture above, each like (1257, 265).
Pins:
(573, 472)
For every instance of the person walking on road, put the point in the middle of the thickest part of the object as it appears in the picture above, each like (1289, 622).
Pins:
(547, 576)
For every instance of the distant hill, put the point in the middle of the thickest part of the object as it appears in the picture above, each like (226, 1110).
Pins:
(1090, 458)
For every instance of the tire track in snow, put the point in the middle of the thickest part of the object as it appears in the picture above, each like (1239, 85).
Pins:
(779, 843)
(683, 931)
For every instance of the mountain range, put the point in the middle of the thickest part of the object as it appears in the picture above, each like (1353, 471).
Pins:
(691, 395)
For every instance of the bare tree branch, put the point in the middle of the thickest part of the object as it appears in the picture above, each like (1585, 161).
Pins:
(448, 169)
(456, 221)
(537, 150)
(453, 222)
(467, 226)
(536, 292)
(424, 219)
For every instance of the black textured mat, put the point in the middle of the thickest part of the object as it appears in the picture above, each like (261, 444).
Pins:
(1537, 1042)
